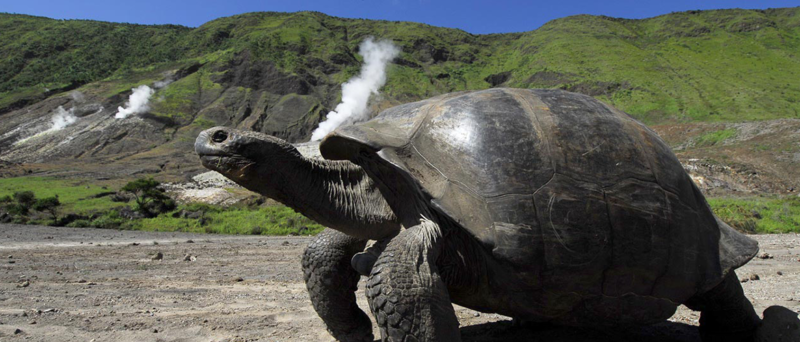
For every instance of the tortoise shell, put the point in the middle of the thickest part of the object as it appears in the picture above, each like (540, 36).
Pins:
(574, 194)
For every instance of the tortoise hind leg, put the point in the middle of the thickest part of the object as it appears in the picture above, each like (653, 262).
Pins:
(332, 283)
(725, 313)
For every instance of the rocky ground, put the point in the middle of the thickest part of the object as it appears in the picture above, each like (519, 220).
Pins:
(64, 284)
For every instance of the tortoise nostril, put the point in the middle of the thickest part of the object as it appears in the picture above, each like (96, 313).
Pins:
(219, 136)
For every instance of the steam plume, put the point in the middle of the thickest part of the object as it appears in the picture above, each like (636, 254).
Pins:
(138, 102)
(162, 84)
(62, 118)
(356, 91)
(77, 96)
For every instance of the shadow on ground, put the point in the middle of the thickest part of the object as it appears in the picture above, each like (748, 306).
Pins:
(504, 331)
(780, 325)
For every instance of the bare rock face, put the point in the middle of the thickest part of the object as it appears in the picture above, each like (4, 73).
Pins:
(209, 187)
(309, 149)
(29, 135)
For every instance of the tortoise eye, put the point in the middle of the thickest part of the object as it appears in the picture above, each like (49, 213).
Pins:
(219, 136)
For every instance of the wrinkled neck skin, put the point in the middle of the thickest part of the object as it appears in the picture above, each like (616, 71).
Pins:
(337, 194)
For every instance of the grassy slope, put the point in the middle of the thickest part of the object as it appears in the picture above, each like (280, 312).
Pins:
(759, 214)
(726, 65)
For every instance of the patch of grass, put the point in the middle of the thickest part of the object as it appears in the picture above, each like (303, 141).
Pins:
(270, 220)
(80, 197)
(759, 214)
(76, 196)
(204, 123)
(715, 138)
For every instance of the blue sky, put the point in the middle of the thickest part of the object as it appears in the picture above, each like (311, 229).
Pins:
(495, 16)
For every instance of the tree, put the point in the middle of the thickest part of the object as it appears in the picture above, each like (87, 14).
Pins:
(49, 205)
(23, 201)
(150, 199)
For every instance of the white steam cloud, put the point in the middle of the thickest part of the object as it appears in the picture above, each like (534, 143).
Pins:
(77, 96)
(162, 84)
(356, 91)
(62, 118)
(138, 102)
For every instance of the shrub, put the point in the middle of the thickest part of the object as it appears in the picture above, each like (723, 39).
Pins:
(150, 200)
(23, 201)
(79, 224)
(109, 220)
(49, 205)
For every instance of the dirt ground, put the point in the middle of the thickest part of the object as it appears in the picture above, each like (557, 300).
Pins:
(63, 284)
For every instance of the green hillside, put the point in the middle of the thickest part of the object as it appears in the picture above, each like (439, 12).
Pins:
(723, 65)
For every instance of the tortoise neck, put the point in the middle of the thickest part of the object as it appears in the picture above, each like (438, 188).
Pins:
(337, 194)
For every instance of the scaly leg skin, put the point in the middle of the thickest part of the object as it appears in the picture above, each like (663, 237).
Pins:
(406, 293)
(725, 313)
(332, 284)
(364, 261)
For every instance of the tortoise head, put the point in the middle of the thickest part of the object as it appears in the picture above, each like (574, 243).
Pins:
(247, 158)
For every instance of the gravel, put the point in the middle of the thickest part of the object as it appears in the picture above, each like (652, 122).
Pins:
(250, 288)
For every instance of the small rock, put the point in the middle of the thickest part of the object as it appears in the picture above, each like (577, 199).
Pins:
(780, 273)
(285, 243)
(155, 331)
(158, 256)
(81, 281)
(477, 314)
(49, 310)
(24, 284)
(17, 331)
(189, 241)
(155, 243)
(189, 257)
(32, 322)
(12, 262)
(11, 257)
(754, 277)
(135, 244)
(239, 279)
(765, 255)
(744, 280)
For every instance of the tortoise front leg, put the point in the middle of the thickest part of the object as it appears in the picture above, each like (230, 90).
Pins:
(406, 293)
(332, 284)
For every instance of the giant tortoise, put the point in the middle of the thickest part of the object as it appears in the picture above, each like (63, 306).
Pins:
(543, 205)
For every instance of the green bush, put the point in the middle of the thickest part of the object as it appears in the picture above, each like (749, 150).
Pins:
(23, 201)
(49, 205)
(150, 200)
(110, 220)
(80, 224)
